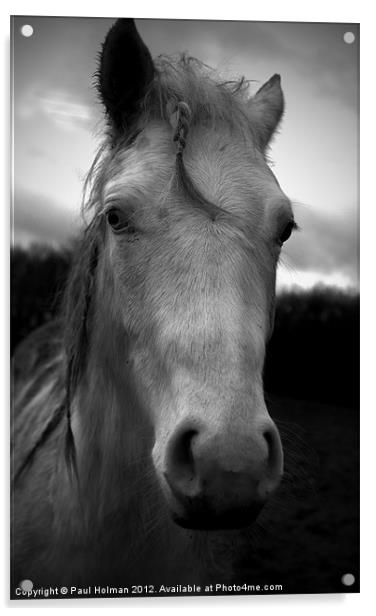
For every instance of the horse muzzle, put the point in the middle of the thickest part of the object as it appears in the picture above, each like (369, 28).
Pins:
(221, 480)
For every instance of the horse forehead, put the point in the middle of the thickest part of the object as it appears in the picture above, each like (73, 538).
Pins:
(231, 172)
(138, 167)
(226, 168)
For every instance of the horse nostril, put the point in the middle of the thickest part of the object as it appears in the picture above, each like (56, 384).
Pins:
(268, 436)
(274, 454)
(180, 471)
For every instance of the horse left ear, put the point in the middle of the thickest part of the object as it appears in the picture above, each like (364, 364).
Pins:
(126, 70)
(266, 109)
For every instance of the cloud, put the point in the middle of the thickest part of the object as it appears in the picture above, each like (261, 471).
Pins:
(60, 107)
(38, 219)
(37, 152)
(310, 278)
(325, 244)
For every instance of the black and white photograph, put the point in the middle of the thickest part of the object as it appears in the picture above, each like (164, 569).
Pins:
(184, 308)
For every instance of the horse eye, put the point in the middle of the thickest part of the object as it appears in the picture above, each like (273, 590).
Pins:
(118, 221)
(287, 232)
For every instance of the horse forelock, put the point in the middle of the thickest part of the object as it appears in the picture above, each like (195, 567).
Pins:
(211, 101)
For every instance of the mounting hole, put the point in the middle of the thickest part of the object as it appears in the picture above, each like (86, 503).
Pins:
(27, 30)
(348, 579)
(349, 37)
(26, 585)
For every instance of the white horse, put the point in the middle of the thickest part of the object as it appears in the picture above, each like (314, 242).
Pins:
(142, 442)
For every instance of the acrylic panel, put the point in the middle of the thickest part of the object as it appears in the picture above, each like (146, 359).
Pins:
(184, 308)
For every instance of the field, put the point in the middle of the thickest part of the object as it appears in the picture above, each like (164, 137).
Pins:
(311, 535)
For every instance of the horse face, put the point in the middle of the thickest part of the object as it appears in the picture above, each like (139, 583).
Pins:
(194, 298)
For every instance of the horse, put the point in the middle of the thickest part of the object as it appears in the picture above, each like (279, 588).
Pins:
(143, 449)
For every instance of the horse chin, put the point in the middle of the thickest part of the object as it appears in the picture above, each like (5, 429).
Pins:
(210, 520)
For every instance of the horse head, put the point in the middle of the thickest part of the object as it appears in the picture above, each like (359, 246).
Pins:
(188, 224)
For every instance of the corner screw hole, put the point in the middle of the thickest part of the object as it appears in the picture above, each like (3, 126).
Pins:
(27, 30)
(348, 579)
(26, 585)
(349, 37)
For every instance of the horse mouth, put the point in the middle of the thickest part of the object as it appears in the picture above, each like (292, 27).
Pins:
(204, 509)
(207, 518)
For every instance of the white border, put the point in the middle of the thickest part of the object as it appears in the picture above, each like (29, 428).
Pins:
(320, 11)
(344, 11)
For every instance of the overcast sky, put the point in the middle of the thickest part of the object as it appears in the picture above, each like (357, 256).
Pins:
(57, 123)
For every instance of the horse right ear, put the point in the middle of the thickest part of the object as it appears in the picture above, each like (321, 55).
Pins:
(125, 73)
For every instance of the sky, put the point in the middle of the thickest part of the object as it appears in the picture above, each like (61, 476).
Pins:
(57, 124)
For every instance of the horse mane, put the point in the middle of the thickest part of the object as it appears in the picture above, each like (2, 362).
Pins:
(211, 102)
